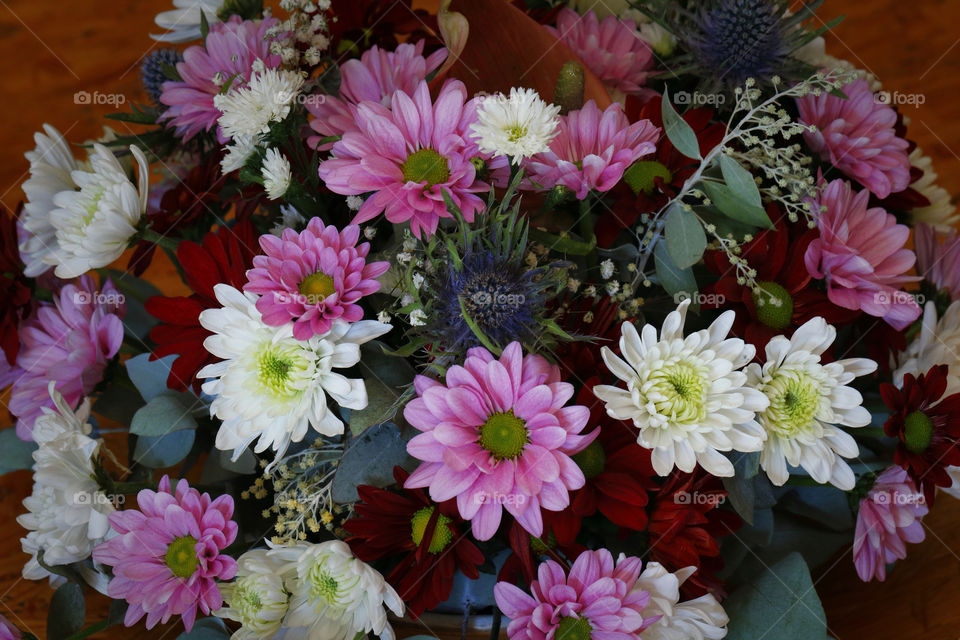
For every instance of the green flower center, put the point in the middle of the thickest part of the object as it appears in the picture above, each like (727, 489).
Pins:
(316, 287)
(794, 402)
(641, 176)
(181, 556)
(276, 368)
(96, 194)
(504, 435)
(573, 628)
(246, 600)
(516, 132)
(323, 586)
(679, 392)
(774, 305)
(441, 537)
(425, 165)
(591, 460)
(917, 431)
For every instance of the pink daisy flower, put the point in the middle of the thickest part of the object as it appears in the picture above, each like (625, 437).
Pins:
(611, 49)
(68, 341)
(313, 278)
(598, 599)
(889, 517)
(857, 136)
(862, 255)
(938, 258)
(498, 435)
(167, 556)
(409, 156)
(230, 50)
(592, 150)
(375, 77)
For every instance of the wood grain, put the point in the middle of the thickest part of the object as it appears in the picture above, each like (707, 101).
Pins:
(51, 50)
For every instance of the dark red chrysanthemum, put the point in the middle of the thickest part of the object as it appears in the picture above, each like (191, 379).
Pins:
(580, 358)
(650, 183)
(685, 528)
(361, 24)
(224, 257)
(14, 287)
(389, 524)
(777, 255)
(926, 426)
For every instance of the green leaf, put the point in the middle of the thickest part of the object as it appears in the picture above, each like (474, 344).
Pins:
(206, 629)
(149, 376)
(673, 279)
(67, 611)
(137, 322)
(740, 486)
(204, 26)
(158, 452)
(564, 244)
(739, 180)
(780, 603)
(733, 206)
(678, 131)
(135, 116)
(381, 401)
(370, 460)
(15, 454)
(684, 237)
(164, 414)
(477, 331)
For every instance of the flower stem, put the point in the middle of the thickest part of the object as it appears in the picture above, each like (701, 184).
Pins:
(149, 235)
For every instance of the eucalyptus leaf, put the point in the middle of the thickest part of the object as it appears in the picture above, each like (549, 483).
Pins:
(15, 454)
(684, 237)
(158, 452)
(678, 131)
(677, 282)
(67, 611)
(735, 207)
(164, 414)
(739, 180)
(381, 401)
(370, 460)
(206, 629)
(136, 291)
(149, 376)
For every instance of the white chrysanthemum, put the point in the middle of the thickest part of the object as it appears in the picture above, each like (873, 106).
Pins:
(808, 401)
(248, 110)
(517, 126)
(941, 213)
(183, 23)
(257, 598)
(335, 596)
(276, 174)
(94, 225)
(685, 395)
(51, 168)
(272, 386)
(700, 619)
(937, 343)
(68, 514)
(290, 218)
(238, 152)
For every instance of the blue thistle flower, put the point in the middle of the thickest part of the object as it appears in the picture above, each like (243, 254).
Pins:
(154, 71)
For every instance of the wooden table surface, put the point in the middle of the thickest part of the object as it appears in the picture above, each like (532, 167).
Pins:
(49, 51)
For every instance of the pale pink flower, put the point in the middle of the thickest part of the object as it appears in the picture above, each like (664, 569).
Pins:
(862, 255)
(592, 150)
(497, 435)
(938, 258)
(612, 49)
(313, 278)
(889, 517)
(375, 77)
(168, 556)
(856, 135)
(599, 599)
(8, 630)
(227, 55)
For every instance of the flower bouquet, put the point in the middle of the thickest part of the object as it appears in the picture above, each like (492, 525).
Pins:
(600, 320)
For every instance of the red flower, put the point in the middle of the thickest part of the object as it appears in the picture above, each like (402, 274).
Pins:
(14, 287)
(582, 357)
(649, 183)
(361, 24)
(777, 255)
(224, 256)
(390, 524)
(927, 428)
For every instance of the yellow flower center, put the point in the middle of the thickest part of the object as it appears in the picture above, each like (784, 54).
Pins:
(316, 287)
(426, 165)
(441, 537)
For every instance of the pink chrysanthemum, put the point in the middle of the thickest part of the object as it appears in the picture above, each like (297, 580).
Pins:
(313, 278)
(597, 600)
(889, 517)
(611, 49)
(230, 50)
(68, 341)
(938, 258)
(375, 77)
(498, 435)
(857, 136)
(167, 556)
(862, 255)
(592, 150)
(409, 156)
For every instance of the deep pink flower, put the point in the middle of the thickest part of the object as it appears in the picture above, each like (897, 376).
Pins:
(409, 155)
(889, 517)
(313, 278)
(597, 600)
(592, 150)
(938, 258)
(374, 77)
(230, 49)
(68, 341)
(167, 556)
(856, 134)
(8, 630)
(611, 49)
(498, 435)
(862, 255)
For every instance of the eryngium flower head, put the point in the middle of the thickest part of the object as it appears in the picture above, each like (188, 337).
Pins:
(154, 71)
